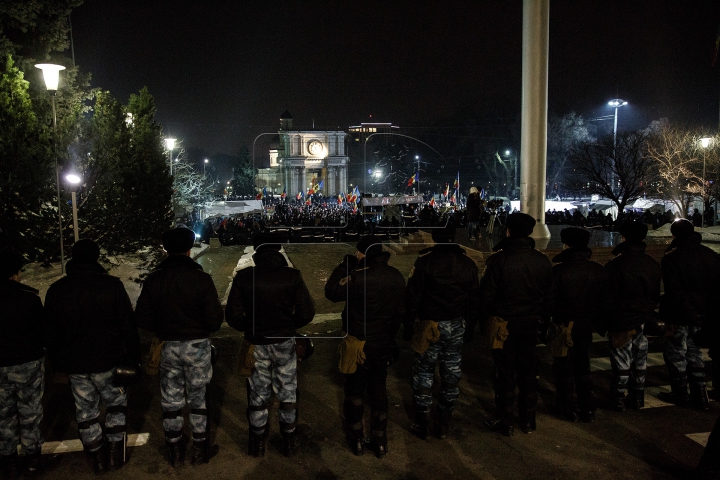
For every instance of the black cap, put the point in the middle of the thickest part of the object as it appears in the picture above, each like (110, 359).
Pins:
(178, 240)
(520, 224)
(682, 228)
(370, 246)
(444, 233)
(575, 237)
(633, 231)
(85, 251)
(267, 241)
(10, 263)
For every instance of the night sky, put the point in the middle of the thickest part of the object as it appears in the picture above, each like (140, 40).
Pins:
(222, 72)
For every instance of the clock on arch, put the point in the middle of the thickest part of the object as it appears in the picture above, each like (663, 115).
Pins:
(315, 147)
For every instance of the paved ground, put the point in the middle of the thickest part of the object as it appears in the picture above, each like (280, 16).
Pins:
(653, 443)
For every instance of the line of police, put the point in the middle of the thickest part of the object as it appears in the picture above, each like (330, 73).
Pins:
(89, 330)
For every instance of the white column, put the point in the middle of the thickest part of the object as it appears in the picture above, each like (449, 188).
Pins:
(533, 149)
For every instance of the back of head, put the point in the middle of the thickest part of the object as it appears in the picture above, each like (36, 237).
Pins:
(10, 263)
(633, 230)
(444, 233)
(520, 224)
(265, 242)
(575, 237)
(85, 251)
(178, 240)
(370, 246)
(473, 190)
(682, 228)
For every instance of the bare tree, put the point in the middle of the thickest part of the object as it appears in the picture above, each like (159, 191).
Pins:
(679, 156)
(595, 166)
(190, 187)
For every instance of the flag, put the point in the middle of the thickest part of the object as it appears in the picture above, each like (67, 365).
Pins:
(432, 201)
(264, 192)
(412, 180)
(457, 182)
(311, 191)
(307, 202)
(284, 194)
(320, 185)
(259, 196)
(356, 195)
(348, 197)
(299, 196)
(341, 197)
(452, 200)
(482, 193)
(447, 190)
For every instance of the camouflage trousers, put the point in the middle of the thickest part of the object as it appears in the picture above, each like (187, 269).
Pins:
(629, 362)
(21, 410)
(448, 352)
(185, 372)
(683, 357)
(275, 371)
(88, 389)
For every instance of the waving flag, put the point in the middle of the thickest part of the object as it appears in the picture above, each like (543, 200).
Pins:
(259, 196)
(452, 200)
(284, 194)
(308, 202)
(356, 195)
(264, 192)
(299, 196)
(412, 180)
(320, 185)
(341, 197)
(432, 201)
(447, 190)
(457, 182)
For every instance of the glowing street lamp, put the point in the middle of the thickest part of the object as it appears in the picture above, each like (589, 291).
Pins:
(74, 180)
(616, 103)
(205, 165)
(170, 144)
(705, 143)
(51, 74)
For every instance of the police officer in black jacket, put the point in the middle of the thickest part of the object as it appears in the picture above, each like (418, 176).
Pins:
(632, 295)
(22, 369)
(269, 302)
(180, 304)
(443, 288)
(374, 293)
(91, 330)
(578, 282)
(690, 277)
(517, 287)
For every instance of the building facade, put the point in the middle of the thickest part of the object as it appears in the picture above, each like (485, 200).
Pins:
(302, 156)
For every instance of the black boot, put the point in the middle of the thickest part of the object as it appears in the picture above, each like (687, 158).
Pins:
(99, 460)
(378, 444)
(423, 420)
(290, 445)
(202, 451)
(699, 397)
(35, 464)
(635, 399)
(176, 454)
(353, 410)
(678, 394)
(356, 442)
(443, 425)
(10, 466)
(116, 454)
(616, 400)
(258, 440)
(497, 425)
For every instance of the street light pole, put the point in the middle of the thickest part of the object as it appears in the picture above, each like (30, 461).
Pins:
(51, 74)
(205, 165)
(74, 180)
(705, 143)
(617, 103)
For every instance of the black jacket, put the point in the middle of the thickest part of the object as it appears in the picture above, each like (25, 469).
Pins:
(179, 301)
(20, 323)
(518, 281)
(374, 293)
(269, 301)
(89, 321)
(690, 273)
(473, 207)
(633, 287)
(578, 286)
(443, 285)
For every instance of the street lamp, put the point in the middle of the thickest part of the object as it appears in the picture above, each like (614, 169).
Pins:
(705, 143)
(51, 74)
(616, 103)
(170, 144)
(74, 180)
(205, 165)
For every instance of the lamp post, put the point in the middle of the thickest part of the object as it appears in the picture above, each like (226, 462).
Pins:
(51, 74)
(705, 143)
(170, 144)
(74, 180)
(205, 165)
(615, 103)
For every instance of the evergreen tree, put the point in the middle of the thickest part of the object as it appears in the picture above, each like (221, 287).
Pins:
(244, 173)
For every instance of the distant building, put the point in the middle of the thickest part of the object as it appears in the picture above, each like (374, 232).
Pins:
(362, 131)
(301, 155)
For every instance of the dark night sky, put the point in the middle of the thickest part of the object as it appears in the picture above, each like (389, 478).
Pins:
(223, 71)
